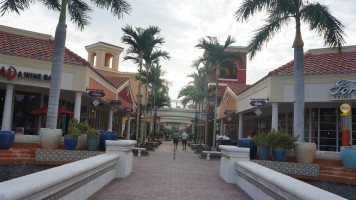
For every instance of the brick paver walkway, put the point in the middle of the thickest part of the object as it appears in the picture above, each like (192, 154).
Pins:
(158, 176)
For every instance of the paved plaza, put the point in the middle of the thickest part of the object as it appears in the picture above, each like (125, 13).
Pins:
(163, 176)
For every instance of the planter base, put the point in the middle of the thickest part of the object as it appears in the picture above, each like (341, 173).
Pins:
(304, 152)
(50, 138)
(348, 157)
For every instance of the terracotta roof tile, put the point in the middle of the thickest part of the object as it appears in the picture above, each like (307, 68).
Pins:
(117, 81)
(19, 45)
(237, 88)
(327, 63)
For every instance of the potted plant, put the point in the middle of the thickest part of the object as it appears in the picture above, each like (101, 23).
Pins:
(71, 139)
(263, 148)
(6, 139)
(348, 156)
(82, 139)
(93, 139)
(280, 142)
(248, 143)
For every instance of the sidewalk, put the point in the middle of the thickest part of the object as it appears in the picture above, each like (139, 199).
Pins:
(158, 176)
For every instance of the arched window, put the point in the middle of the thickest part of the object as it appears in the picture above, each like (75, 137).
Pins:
(92, 60)
(109, 58)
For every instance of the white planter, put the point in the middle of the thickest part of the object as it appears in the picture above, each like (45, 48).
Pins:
(305, 152)
(82, 142)
(50, 138)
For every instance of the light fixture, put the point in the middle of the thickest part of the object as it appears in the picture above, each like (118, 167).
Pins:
(211, 102)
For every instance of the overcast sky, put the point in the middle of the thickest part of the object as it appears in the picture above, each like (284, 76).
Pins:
(183, 23)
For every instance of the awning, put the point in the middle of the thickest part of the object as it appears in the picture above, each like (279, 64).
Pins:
(43, 110)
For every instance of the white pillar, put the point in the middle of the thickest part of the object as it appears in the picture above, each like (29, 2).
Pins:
(6, 119)
(221, 126)
(77, 105)
(275, 116)
(240, 125)
(128, 127)
(124, 149)
(110, 119)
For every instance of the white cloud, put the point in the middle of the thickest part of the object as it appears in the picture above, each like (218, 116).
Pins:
(183, 23)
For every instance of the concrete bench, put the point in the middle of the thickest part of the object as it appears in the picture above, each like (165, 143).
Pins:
(139, 151)
(194, 145)
(211, 152)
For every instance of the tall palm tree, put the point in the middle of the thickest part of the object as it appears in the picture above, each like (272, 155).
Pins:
(217, 56)
(280, 13)
(141, 44)
(78, 11)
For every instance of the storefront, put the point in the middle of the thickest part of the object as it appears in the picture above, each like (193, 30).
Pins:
(329, 82)
(25, 73)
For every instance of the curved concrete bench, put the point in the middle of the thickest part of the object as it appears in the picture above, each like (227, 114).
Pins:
(139, 151)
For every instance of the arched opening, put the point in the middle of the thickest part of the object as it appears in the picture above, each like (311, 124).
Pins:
(109, 58)
(92, 59)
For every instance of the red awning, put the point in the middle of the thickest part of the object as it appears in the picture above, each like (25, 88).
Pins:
(43, 110)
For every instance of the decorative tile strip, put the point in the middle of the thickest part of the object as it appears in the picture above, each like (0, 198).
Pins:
(75, 186)
(260, 186)
(44, 155)
(291, 168)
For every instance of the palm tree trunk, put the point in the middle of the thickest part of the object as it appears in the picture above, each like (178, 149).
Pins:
(138, 101)
(298, 122)
(216, 102)
(145, 111)
(56, 71)
(151, 113)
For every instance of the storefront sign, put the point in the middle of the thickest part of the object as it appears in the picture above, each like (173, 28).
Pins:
(257, 103)
(11, 73)
(344, 89)
(258, 112)
(229, 112)
(345, 108)
(95, 93)
(128, 110)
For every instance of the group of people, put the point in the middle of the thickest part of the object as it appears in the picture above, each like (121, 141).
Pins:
(183, 136)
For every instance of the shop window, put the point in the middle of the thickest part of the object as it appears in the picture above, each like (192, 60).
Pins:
(328, 129)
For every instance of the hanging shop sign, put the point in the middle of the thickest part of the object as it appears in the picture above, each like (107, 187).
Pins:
(257, 103)
(128, 110)
(115, 103)
(258, 112)
(96, 93)
(344, 89)
(11, 72)
(96, 103)
(229, 112)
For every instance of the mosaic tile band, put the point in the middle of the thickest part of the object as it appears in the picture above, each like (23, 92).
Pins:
(291, 168)
(45, 155)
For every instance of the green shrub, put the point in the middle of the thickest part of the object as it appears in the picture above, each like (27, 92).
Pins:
(93, 133)
(261, 139)
(73, 128)
(280, 139)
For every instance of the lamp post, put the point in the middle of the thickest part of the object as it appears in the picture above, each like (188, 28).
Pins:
(139, 96)
(212, 104)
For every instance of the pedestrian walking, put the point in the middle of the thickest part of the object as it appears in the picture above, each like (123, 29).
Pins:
(175, 139)
(184, 140)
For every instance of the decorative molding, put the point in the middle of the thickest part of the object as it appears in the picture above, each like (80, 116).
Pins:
(43, 155)
(291, 168)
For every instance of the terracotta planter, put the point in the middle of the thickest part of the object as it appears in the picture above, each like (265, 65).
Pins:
(50, 138)
(82, 142)
(304, 152)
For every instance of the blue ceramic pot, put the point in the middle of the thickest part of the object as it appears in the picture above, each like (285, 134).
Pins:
(279, 154)
(106, 135)
(248, 143)
(263, 152)
(348, 157)
(6, 139)
(92, 143)
(70, 142)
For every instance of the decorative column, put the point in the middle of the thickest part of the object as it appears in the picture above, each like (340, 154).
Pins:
(240, 125)
(6, 119)
(124, 149)
(128, 127)
(230, 155)
(275, 116)
(110, 119)
(77, 105)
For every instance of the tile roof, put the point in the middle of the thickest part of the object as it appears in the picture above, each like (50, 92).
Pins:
(326, 63)
(116, 81)
(19, 45)
(237, 88)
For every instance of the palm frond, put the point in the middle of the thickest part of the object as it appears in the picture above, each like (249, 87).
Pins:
(249, 7)
(117, 7)
(325, 24)
(14, 6)
(78, 11)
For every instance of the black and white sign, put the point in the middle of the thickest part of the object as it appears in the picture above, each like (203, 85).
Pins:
(128, 110)
(258, 112)
(344, 89)
(257, 103)
(115, 103)
(95, 93)
(95, 102)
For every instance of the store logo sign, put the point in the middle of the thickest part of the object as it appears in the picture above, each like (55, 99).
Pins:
(10, 73)
(344, 89)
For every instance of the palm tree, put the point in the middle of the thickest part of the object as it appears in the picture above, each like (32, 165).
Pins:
(141, 44)
(217, 56)
(78, 11)
(281, 13)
